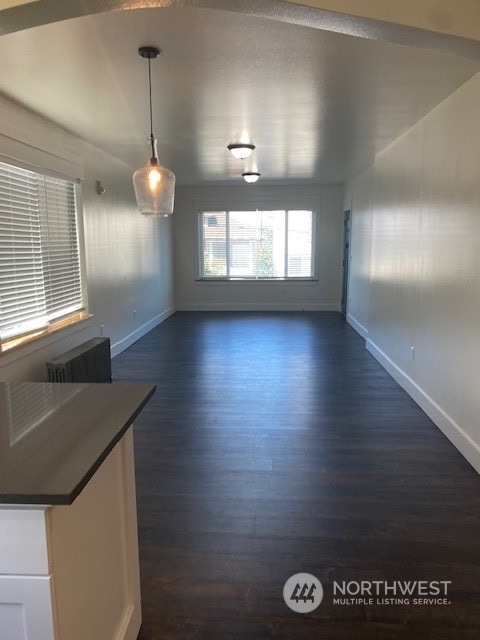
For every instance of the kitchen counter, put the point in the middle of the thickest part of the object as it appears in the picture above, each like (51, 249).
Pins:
(53, 437)
(69, 567)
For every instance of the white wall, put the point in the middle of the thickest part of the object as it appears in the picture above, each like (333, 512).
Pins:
(129, 258)
(425, 265)
(323, 294)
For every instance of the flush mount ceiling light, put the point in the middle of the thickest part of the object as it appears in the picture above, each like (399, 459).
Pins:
(250, 176)
(154, 185)
(241, 150)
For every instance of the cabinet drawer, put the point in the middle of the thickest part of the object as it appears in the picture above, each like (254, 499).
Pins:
(23, 541)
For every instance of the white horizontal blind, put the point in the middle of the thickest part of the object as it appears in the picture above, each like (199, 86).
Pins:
(255, 244)
(22, 293)
(242, 240)
(40, 276)
(300, 242)
(61, 260)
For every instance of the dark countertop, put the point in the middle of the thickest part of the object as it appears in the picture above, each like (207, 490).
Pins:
(53, 437)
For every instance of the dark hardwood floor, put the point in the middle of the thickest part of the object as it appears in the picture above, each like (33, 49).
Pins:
(275, 444)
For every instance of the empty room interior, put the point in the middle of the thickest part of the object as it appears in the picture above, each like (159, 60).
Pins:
(290, 446)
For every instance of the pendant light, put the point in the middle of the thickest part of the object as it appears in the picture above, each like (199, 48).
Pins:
(154, 185)
(250, 176)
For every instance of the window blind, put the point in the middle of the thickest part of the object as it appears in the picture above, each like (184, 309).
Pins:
(40, 277)
(300, 243)
(61, 260)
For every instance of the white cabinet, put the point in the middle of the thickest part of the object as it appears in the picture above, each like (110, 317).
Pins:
(71, 572)
(26, 608)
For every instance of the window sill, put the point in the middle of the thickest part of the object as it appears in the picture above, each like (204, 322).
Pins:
(13, 344)
(257, 281)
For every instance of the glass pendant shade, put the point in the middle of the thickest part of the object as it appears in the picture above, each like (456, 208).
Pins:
(154, 189)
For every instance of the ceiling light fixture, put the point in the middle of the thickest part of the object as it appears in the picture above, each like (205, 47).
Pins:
(241, 150)
(251, 176)
(154, 184)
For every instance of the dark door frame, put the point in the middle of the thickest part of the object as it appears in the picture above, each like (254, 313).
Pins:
(346, 259)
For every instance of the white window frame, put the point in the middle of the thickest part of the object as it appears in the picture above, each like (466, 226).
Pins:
(10, 342)
(254, 204)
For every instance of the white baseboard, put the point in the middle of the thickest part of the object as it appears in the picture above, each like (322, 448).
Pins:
(126, 342)
(359, 328)
(457, 436)
(130, 626)
(259, 306)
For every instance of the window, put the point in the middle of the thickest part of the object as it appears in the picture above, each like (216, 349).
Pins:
(260, 245)
(40, 274)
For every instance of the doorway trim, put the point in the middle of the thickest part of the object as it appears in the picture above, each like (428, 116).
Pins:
(346, 260)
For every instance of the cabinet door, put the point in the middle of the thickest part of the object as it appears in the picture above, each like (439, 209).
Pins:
(26, 608)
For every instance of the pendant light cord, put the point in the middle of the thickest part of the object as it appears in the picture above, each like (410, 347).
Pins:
(149, 53)
(152, 139)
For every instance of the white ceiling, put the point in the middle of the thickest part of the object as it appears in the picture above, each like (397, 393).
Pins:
(318, 105)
